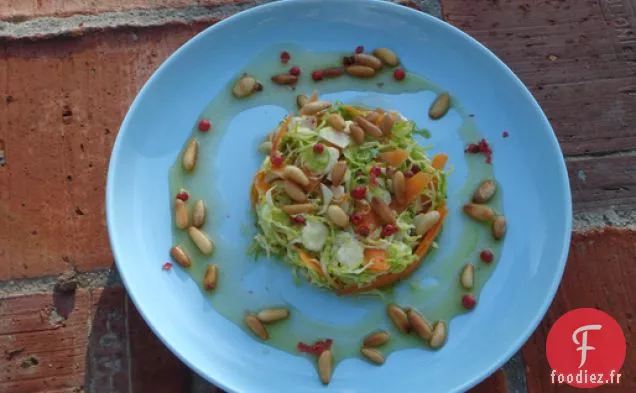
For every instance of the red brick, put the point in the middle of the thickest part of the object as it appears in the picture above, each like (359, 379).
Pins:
(66, 343)
(603, 181)
(18, 10)
(108, 361)
(574, 55)
(60, 110)
(496, 383)
(50, 351)
(154, 368)
(600, 274)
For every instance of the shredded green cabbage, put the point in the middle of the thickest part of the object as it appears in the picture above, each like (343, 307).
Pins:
(338, 256)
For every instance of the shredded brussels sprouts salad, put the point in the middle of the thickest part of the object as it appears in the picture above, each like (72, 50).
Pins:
(348, 197)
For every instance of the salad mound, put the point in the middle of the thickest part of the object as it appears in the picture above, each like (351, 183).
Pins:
(348, 197)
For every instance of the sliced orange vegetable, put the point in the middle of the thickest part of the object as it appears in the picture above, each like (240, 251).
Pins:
(259, 186)
(378, 256)
(394, 157)
(388, 279)
(416, 184)
(353, 110)
(310, 262)
(439, 161)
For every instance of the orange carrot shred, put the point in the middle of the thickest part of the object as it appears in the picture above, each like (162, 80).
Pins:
(394, 157)
(388, 279)
(439, 161)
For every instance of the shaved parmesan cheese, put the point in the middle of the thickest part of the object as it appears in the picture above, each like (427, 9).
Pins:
(314, 235)
(327, 196)
(350, 254)
(339, 139)
(334, 154)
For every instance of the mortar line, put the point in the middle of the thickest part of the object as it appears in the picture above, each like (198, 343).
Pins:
(48, 27)
(610, 154)
(80, 24)
(100, 278)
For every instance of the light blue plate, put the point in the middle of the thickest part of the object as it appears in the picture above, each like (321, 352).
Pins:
(529, 166)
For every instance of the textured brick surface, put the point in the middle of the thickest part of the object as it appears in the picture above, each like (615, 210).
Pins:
(579, 60)
(62, 101)
(43, 342)
(496, 383)
(60, 111)
(19, 10)
(154, 368)
(600, 274)
(89, 341)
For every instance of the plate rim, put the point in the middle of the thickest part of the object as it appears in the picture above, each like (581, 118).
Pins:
(271, 6)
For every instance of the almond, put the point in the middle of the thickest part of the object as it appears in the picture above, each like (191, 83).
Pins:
(285, 79)
(467, 278)
(202, 240)
(368, 127)
(338, 216)
(311, 108)
(424, 222)
(485, 191)
(399, 187)
(373, 355)
(338, 172)
(296, 175)
(294, 191)
(333, 72)
(199, 214)
(356, 133)
(439, 107)
(268, 315)
(387, 124)
(387, 56)
(301, 101)
(382, 210)
(299, 208)
(180, 256)
(399, 318)
(209, 280)
(336, 121)
(439, 335)
(245, 86)
(499, 227)
(479, 212)
(360, 71)
(376, 339)
(181, 214)
(189, 160)
(256, 326)
(372, 116)
(325, 366)
(420, 325)
(367, 60)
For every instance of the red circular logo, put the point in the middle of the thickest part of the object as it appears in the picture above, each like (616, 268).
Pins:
(586, 348)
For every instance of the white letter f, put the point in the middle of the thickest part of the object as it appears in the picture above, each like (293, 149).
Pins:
(584, 347)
